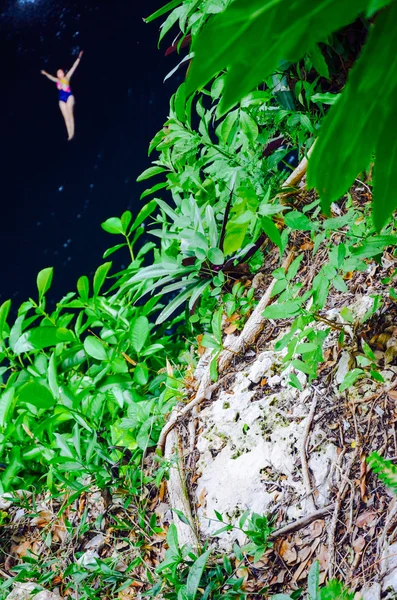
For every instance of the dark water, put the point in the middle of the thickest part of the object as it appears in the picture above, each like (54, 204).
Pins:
(56, 193)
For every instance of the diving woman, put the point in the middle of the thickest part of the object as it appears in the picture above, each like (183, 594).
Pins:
(66, 98)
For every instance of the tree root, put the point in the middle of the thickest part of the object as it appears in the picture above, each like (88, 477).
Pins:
(177, 492)
(248, 336)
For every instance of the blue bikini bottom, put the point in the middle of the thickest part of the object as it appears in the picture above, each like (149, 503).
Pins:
(64, 96)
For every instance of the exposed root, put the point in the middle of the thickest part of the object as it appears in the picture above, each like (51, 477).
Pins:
(305, 465)
(177, 492)
(248, 336)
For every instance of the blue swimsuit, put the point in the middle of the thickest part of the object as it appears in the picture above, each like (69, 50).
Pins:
(64, 90)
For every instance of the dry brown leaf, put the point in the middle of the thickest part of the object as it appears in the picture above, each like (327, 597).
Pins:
(366, 519)
(322, 557)
(162, 490)
(307, 246)
(359, 544)
(200, 348)
(288, 552)
(392, 394)
(316, 528)
(170, 370)
(332, 426)
(279, 578)
(43, 518)
(230, 329)
(304, 553)
(201, 498)
(60, 531)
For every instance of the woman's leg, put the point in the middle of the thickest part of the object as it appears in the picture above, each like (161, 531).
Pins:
(65, 114)
(70, 108)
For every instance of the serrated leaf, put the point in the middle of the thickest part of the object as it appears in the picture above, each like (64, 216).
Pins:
(248, 127)
(139, 333)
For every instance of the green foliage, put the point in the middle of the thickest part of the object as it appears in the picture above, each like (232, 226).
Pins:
(385, 469)
(333, 590)
(346, 145)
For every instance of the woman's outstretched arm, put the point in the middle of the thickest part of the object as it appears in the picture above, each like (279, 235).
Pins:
(75, 65)
(51, 77)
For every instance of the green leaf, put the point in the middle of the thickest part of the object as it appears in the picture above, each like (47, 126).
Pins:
(52, 376)
(4, 310)
(284, 310)
(100, 277)
(62, 444)
(141, 374)
(313, 580)
(270, 31)
(95, 348)
(326, 98)
(143, 214)
(385, 201)
(294, 381)
(150, 172)
(6, 406)
(224, 130)
(352, 127)
(297, 220)
(350, 379)
(36, 394)
(44, 280)
(248, 127)
(139, 333)
(152, 190)
(368, 351)
(319, 62)
(271, 231)
(161, 11)
(42, 337)
(83, 288)
(110, 251)
(195, 573)
(113, 225)
(215, 256)
(214, 369)
(174, 304)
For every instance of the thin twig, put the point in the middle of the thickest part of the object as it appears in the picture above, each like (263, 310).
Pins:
(335, 517)
(302, 523)
(389, 521)
(305, 465)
